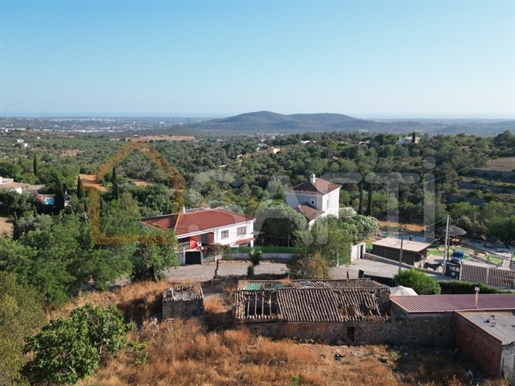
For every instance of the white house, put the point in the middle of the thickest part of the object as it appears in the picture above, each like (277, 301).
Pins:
(404, 140)
(8, 183)
(315, 198)
(197, 229)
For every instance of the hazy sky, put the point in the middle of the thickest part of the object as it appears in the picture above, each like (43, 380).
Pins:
(220, 58)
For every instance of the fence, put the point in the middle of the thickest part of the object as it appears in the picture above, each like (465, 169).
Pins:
(492, 276)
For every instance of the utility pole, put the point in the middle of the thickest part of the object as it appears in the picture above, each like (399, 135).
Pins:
(400, 253)
(446, 248)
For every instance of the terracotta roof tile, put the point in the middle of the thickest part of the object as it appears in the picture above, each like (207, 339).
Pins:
(196, 220)
(319, 187)
(308, 211)
(313, 301)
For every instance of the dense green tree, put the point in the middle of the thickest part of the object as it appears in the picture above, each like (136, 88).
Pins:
(418, 280)
(278, 223)
(327, 239)
(308, 267)
(67, 350)
(150, 261)
(13, 204)
(21, 315)
(59, 258)
(10, 170)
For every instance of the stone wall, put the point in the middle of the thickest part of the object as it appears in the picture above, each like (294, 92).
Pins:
(183, 308)
(428, 331)
(478, 346)
(183, 302)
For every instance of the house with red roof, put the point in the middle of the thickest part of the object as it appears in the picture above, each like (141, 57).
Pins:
(197, 229)
(315, 198)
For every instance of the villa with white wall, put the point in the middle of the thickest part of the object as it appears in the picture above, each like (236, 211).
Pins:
(315, 198)
(197, 229)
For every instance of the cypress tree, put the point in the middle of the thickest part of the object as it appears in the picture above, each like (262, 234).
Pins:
(80, 189)
(35, 164)
(114, 180)
(369, 203)
(360, 208)
(413, 137)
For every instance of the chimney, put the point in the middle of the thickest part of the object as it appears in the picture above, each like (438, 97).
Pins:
(183, 209)
(476, 298)
(312, 179)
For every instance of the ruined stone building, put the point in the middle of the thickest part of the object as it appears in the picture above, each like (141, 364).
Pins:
(183, 301)
(323, 310)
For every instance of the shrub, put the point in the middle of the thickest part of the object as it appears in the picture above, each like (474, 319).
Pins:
(250, 271)
(66, 350)
(255, 255)
(419, 281)
(463, 287)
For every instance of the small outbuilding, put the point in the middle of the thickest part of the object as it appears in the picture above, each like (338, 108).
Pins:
(390, 248)
(183, 301)
(488, 339)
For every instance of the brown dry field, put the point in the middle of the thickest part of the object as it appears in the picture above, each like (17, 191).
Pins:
(148, 138)
(214, 353)
(505, 164)
(71, 153)
(6, 226)
(410, 227)
(91, 181)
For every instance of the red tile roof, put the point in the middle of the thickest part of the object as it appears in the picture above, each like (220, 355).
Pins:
(319, 187)
(450, 303)
(309, 212)
(196, 220)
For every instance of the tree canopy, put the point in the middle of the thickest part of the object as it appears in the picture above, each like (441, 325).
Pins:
(66, 350)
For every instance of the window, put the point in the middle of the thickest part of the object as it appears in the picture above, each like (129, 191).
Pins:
(241, 230)
(313, 202)
(225, 234)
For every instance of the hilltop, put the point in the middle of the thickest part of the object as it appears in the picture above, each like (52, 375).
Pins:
(270, 122)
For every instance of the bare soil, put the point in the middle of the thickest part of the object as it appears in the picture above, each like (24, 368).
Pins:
(90, 180)
(6, 226)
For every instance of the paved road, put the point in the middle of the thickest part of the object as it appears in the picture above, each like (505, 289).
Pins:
(206, 271)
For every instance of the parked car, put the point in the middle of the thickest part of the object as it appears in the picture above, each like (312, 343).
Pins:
(458, 256)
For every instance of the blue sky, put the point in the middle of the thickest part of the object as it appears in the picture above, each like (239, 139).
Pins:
(220, 58)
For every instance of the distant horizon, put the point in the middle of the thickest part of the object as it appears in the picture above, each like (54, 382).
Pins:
(371, 59)
(217, 116)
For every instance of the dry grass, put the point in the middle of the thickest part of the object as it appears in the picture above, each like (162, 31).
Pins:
(505, 164)
(191, 353)
(148, 138)
(410, 227)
